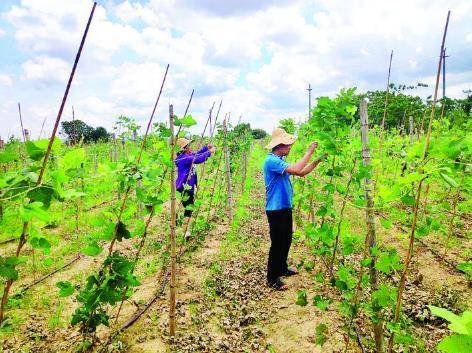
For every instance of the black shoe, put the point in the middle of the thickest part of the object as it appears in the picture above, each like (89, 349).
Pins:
(278, 284)
(290, 272)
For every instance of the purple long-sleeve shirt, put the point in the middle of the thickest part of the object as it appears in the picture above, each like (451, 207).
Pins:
(184, 167)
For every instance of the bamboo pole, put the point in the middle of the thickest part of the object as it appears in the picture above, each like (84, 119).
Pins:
(370, 222)
(453, 216)
(143, 145)
(172, 226)
(409, 254)
(42, 128)
(22, 239)
(228, 172)
(412, 130)
(341, 213)
(382, 126)
(21, 123)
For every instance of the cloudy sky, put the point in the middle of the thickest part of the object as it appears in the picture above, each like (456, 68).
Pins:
(258, 56)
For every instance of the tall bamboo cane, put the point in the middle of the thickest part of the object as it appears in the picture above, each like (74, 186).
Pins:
(128, 188)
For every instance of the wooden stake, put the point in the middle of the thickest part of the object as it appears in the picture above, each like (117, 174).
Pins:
(172, 226)
(228, 172)
(42, 128)
(412, 130)
(370, 222)
(21, 123)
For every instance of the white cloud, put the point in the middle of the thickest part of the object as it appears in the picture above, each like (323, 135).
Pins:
(2, 33)
(258, 56)
(46, 70)
(6, 80)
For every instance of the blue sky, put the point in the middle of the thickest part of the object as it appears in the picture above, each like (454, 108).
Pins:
(259, 57)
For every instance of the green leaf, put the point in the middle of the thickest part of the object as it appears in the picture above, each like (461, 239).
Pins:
(408, 200)
(388, 261)
(34, 152)
(386, 223)
(321, 331)
(7, 268)
(458, 324)
(456, 344)
(65, 288)
(320, 302)
(42, 194)
(301, 298)
(122, 232)
(449, 180)
(40, 243)
(73, 159)
(186, 121)
(8, 156)
(465, 267)
(384, 296)
(92, 249)
(33, 210)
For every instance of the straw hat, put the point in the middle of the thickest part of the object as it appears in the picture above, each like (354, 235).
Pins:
(280, 137)
(183, 142)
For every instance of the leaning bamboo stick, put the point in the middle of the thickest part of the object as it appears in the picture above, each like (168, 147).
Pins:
(22, 239)
(228, 172)
(143, 145)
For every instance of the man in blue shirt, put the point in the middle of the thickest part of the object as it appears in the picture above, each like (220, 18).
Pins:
(279, 202)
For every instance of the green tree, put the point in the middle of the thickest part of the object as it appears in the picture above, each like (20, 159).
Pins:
(259, 134)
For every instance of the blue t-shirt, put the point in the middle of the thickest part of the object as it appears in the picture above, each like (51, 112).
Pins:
(279, 191)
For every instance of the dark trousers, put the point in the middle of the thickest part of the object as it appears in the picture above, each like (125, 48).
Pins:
(281, 230)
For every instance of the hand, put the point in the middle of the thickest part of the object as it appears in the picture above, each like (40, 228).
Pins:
(313, 146)
(212, 149)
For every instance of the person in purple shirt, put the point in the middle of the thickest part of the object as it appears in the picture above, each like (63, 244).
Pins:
(187, 178)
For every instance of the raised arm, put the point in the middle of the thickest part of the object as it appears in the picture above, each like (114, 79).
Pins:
(310, 167)
(298, 167)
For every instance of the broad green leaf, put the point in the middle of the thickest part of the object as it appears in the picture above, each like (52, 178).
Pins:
(7, 268)
(92, 249)
(456, 344)
(33, 210)
(34, 152)
(449, 180)
(122, 232)
(72, 159)
(301, 298)
(42, 194)
(65, 288)
(458, 324)
(320, 302)
(408, 200)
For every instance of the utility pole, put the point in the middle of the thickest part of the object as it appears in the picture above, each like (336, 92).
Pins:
(444, 72)
(309, 100)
